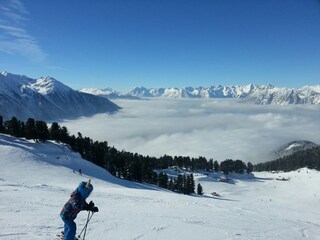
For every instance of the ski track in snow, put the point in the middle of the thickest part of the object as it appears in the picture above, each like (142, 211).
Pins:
(36, 180)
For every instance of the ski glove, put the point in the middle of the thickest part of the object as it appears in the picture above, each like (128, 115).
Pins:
(95, 209)
(89, 206)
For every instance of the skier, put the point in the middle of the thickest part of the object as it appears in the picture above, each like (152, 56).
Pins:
(76, 204)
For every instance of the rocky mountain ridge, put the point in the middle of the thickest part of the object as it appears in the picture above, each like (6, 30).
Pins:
(251, 93)
(46, 98)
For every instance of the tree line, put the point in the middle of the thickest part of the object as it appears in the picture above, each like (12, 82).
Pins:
(309, 158)
(122, 164)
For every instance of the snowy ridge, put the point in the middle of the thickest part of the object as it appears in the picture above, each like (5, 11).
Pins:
(94, 91)
(247, 94)
(37, 178)
(294, 147)
(46, 98)
(47, 85)
(284, 96)
(108, 93)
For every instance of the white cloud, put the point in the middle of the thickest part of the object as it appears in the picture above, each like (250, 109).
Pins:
(202, 127)
(14, 38)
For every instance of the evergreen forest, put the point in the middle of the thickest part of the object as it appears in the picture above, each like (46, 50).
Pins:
(134, 166)
(309, 158)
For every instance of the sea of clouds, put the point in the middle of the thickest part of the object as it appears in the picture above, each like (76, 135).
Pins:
(217, 129)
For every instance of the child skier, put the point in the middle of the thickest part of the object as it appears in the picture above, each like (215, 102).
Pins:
(76, 204)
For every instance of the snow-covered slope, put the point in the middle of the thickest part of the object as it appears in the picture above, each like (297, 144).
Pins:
(36, 180)
(46, 99)
(248, 93)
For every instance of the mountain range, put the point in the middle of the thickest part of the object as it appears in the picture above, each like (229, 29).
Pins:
(251, 93)
(46, 98)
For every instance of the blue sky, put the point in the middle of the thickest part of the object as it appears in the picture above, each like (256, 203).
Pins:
(162, 43)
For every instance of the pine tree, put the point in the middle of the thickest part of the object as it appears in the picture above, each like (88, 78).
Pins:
(22, 129)
(1, 125)
(239, 166)
(191, 184)
(55, 131)
(30, 129)
(171, 185)
(64, 135)
(188, 185)
(42, 132)
(178, 184)
(163, 180)
(184, 184)
(249, 167)
(216, 166)
(154, 178)
(199, 189)
(210, 165)
(146, 169)
(13, 127)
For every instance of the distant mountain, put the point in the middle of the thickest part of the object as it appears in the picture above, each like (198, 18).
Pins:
(191, 92)
(293, 147)
(46, 98)
(284, 96)
(108, 93)
(246, 94)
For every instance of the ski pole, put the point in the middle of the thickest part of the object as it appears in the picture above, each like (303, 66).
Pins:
(86, 225)
(84, 235)
(85, 231)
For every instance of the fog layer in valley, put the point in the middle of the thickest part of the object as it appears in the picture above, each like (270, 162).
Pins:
(217, 129)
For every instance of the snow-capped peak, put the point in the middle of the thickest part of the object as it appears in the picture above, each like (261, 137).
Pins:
(46, 85)
(96, 91)
(46, 98)
(251, 93)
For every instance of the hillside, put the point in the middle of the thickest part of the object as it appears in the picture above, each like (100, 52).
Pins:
(46, 98)
(37, 178)
(294, 147)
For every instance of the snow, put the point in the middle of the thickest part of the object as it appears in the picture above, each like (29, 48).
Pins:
(46, 98)
(43, 85)
(46, 85)
(264, 94)
(294, 145)
(95, 91)
(37, 178)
